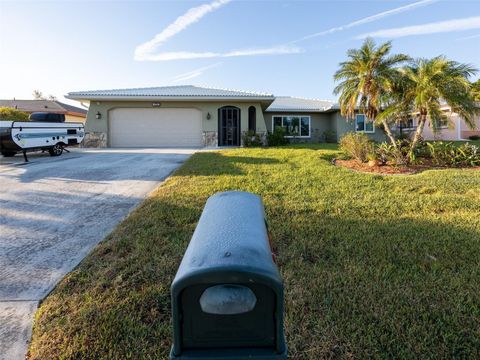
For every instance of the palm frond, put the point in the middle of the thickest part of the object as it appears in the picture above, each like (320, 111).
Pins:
(367, 78)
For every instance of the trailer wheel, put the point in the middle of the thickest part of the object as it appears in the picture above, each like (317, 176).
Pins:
(56, 150)
(8, 153)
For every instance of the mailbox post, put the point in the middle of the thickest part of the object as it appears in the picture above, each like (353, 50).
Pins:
(227, 296)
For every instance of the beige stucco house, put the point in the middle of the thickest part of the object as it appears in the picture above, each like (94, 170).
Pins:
(201, 116)
(172, 116)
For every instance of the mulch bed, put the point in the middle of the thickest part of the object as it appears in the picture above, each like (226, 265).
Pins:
(391, 169)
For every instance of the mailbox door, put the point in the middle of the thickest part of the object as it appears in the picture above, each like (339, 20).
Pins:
(255, 328)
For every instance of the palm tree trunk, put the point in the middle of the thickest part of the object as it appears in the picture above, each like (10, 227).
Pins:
(418, 135)
(388, 131)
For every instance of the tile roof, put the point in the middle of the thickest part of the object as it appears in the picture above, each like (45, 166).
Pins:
(287, 103)
(182, 91)
(42, 105)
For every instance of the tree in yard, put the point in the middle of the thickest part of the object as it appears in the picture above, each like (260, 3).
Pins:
(367, 80)
(429, 83)
(11, 114)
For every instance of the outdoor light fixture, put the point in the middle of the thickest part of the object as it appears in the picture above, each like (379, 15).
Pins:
(155, 104)
(209, 116)
(98, 115)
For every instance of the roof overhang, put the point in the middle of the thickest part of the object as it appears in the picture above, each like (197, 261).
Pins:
(296, 110)
(327, 109)
(265, 101)
(167, 98)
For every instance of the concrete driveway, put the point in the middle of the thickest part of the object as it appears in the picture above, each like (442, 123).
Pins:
(53, 211)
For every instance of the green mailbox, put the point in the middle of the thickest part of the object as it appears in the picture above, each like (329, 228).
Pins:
(227, 296)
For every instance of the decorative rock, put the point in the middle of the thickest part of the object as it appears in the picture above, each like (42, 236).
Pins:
(210, 138)
(95, 139)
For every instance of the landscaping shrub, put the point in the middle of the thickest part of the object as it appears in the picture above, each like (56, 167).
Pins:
(439, 152)
(357, 146)
(404, 136)
(422, 150)
(447, 154)
(386, 152)
(474, 137)
(469, 155)
(11, 114)
(277, 137)
(251, 139)
(330, 136)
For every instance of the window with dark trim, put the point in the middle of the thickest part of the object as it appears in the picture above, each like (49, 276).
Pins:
(407, 124)
(252, 119)
(295, 126)
(441, 123)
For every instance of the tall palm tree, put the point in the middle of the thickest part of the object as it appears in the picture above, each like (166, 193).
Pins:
(366, 81)
(429, 83)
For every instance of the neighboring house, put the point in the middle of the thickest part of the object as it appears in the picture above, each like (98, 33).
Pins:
(454, 128)
(201, 116)
(72, 113)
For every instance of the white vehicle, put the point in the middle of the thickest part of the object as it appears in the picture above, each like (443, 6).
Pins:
(44, 131)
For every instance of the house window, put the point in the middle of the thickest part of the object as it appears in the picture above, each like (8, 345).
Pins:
(252, 119)
(364, 124)
(407, 124)
(298, 126)
(441, 123)
(410, 123)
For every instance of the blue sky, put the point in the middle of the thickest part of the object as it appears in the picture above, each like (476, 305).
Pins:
(264, 46)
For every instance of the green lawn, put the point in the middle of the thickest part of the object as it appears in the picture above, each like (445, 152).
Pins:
(374, 266)
(459, 142)
(473, 142)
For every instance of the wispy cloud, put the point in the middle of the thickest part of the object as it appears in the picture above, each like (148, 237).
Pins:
(145, 50)
(430, 28)
(369, 19)
(194, 73)
(184, 55)
(148, 50)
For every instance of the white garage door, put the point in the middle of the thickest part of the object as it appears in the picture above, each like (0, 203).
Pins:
(131, 127)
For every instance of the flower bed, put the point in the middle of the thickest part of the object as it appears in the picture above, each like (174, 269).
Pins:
(360, 153)
(392, 169)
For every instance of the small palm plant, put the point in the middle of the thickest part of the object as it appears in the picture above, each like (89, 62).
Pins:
(429, 83)
(367, 80)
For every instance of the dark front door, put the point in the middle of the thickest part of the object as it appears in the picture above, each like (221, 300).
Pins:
(229, 126)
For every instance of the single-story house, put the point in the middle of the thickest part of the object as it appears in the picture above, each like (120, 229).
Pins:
(72, 113)
(201, 116)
